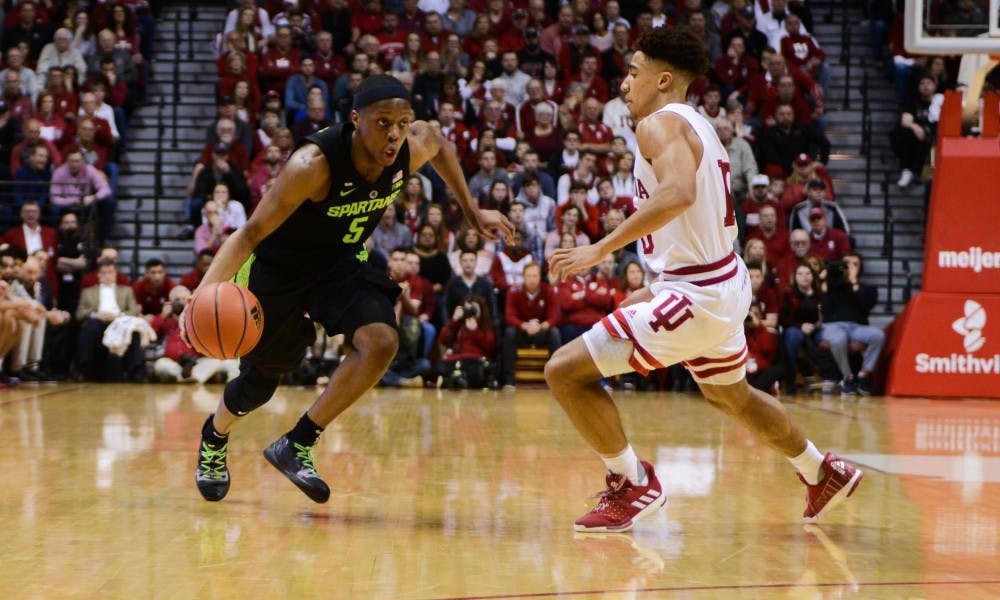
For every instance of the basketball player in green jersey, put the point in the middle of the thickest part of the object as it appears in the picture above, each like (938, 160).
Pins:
(302, 253)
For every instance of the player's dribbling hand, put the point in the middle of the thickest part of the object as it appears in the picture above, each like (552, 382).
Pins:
(568, 261)
(492, 224)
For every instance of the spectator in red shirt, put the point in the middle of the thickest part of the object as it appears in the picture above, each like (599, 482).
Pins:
(453, 130)
(762, 345)
(595, 86)
(279, 62)
(434, 35)
(469, 343)
(594, 135)
(513, 38)
(94, 153)
(571, 54)
(804, 170)
(759, 197)
(366, 21)
(53, 125)
(178, 357)
(152, 290)
(775, 238)
(803, 52)
(735, 68)
(531, 314)
(545, 136)
(32, 137)
(786, 93)
(411, 20)
(558, 34)
(116, 92)
(67, 102)
(583, 301)
(509, 263)
(18, 103)
(826, 242)
(329, 64)
(192, 279)
(390, 38)
(264, 172)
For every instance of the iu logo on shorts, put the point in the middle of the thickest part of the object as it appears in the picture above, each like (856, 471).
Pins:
(672, 313)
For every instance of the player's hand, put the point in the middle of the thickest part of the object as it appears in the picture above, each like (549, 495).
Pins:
(180, 321)
(492, 224)
(569, 261)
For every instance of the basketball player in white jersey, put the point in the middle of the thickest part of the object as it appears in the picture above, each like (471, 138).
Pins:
(692, 314)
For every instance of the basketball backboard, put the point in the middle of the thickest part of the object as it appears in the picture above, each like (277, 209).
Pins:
(929, 30)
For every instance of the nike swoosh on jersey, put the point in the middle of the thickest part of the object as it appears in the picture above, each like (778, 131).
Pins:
(346, 192)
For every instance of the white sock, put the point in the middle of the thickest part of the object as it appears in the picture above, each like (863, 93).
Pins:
(808, 463)
(627, 464)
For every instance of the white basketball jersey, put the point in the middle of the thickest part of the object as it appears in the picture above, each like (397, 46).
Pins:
(702, 235)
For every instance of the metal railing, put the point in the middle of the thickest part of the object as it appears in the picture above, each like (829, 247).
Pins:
(908, 288)
(886, 211)
(866, 135)
(845, 53)
(890, 258)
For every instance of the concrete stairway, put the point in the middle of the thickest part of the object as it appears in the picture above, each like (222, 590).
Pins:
(167, 134)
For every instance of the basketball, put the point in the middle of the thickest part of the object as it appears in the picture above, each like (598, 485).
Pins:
(224, 321)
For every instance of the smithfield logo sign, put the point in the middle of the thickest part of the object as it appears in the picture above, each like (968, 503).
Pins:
(970, 327)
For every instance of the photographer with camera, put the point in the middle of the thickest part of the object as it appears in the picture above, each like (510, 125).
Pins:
(469, 345)
(846, 306)
(466, 284)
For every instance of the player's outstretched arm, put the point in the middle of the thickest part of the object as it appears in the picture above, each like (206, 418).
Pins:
(674, 151)
(427, 145)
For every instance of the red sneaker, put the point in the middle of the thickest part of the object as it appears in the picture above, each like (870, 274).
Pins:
(838, 483)
(623, 503)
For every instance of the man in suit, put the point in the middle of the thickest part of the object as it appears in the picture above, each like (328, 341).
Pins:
(32, 236)
(99, 306)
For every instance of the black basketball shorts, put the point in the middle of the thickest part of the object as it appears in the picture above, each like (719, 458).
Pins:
(342, 298)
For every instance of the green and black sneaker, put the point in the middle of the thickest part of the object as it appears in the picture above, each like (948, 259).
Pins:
(212, 475)
(296, 462)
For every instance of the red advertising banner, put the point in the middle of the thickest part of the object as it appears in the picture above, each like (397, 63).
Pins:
(946, 345)
(962, 254)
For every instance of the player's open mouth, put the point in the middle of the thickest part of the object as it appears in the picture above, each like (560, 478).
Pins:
(389, 153)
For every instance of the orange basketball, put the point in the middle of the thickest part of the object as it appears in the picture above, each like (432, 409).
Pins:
(224, 320)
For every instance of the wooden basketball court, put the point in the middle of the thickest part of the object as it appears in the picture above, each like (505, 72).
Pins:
(473, 495)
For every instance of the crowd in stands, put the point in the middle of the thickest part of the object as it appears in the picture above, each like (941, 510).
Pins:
(72, 71)
(528, 93)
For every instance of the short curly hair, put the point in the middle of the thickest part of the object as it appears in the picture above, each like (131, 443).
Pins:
(677, 46)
